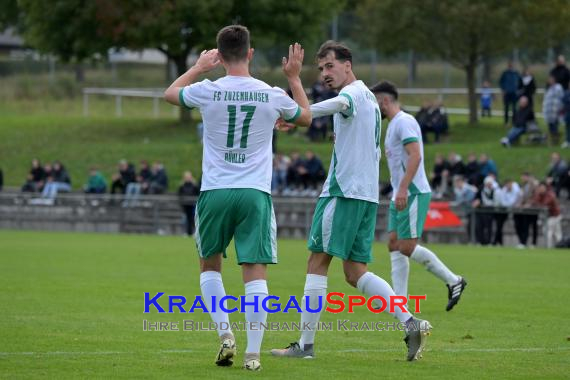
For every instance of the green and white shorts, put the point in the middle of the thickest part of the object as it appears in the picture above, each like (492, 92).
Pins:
(344, 227)
(246, 215)
(409, 223)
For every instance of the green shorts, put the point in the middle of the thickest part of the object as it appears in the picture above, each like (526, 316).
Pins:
(344, 227)
(246, 215)
(409, 223)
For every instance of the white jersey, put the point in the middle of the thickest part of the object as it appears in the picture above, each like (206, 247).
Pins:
(354, 168)
(404, 129)
(239, 114)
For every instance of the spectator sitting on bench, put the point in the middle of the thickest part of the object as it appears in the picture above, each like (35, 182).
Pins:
(38, 174)
(58, 181)
(158, 183)
(122, 179)
(96, 183)
(432, 118)
(471, 172)
(315, 170)
(439, 176)
(522, 118)
(134, 189)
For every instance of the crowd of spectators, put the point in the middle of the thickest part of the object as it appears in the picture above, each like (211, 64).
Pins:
(297, 175)
(475, 186)
(49, 179)
(52, 178)
(518, 100)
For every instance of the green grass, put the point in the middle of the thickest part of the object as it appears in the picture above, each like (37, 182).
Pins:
(71, 306)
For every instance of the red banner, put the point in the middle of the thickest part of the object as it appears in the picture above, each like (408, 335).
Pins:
(440, 215)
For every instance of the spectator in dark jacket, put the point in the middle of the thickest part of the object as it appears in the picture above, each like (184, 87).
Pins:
(439, 176)
(566, 110)
(141, 185)
(58, 181)
(472, 171)
(38, 175)
(297, 173)
(557, 175)
(315, 170)
(189, 188)
(158, 183)
(522, 117)
(122, 179)
(456, 165)
(560, 72)
(527, 87)
(509, 83)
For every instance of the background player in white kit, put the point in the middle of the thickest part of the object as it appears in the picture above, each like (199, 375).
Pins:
(345, 215)
(409, 206)
(239, 113)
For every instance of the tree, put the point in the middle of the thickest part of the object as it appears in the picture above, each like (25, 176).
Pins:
(461, 32)
(544, 24)
(177, 28)
(65, 28)
(77, 29)
(10, 15)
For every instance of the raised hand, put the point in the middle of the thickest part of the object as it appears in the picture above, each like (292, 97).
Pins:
(292, 65)
(208, 60)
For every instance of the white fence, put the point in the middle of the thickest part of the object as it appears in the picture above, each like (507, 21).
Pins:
(156, 94)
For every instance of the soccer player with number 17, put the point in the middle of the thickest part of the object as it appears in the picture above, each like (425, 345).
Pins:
(239, 113)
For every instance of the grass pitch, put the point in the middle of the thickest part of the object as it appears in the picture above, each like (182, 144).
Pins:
(71, 306)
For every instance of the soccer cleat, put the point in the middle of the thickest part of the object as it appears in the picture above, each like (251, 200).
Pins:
(227, 351)
(454, 293)
(294, 351)
(251, 362)
(416, 335)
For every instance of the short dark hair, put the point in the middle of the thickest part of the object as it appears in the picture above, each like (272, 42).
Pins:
(233, 43)
(341, 51)
(386, 88)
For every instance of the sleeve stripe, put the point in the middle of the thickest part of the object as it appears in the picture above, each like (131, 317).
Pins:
(350, 109)
(181, 98)
(409, 140)
(295, 117)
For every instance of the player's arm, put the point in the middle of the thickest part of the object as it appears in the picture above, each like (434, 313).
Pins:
(292, 69)
(207, 61)
(325, 108)
(412, 165)
(331, 106)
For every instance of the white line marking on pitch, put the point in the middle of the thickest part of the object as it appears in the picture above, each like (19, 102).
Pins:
(356, 350)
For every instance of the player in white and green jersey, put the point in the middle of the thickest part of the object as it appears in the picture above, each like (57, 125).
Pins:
(239, 113)
(345, 216)
(411, 196)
